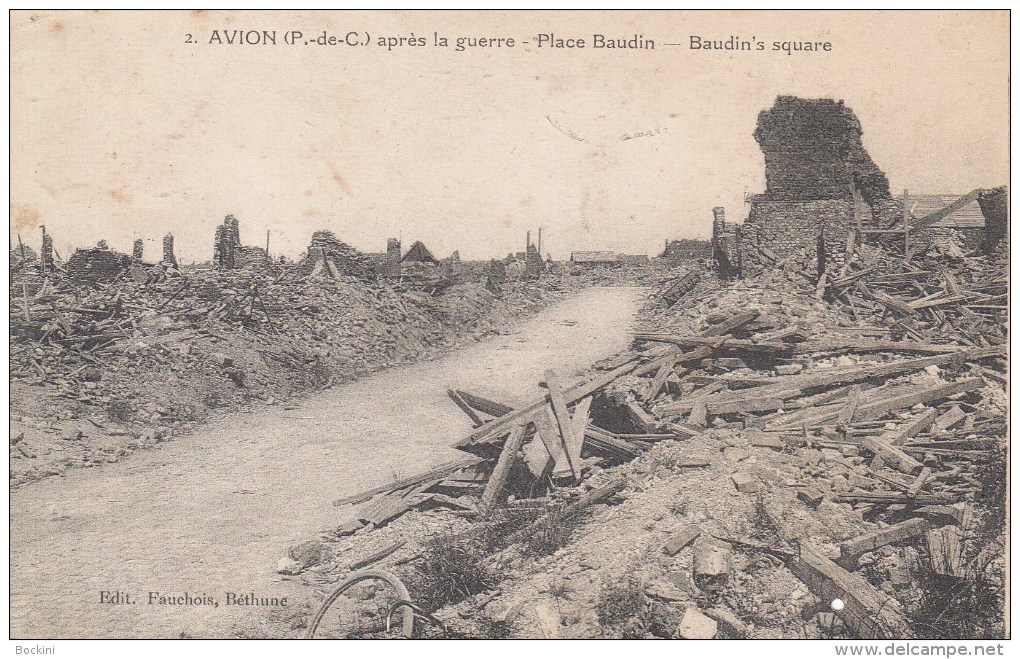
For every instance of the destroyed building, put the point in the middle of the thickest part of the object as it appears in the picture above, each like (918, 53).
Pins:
(227, 244)
(686, 250)
(329, 257)
(824, 193)
(97, 265)
(606, 258)
(419, 253)
(820, 181)
(22, 255)
(994, 205)
(168, 250)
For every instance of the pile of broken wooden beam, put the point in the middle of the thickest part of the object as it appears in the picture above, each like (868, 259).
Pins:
(673, 290)
(907, 421)
(549, 443)
(924, 293)
(556, 439)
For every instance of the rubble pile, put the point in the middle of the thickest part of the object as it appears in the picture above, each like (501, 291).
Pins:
(99, 264)
(329, 257)
(757, 454)
(98, 370)
(926, 292)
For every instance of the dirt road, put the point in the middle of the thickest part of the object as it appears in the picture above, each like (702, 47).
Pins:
(213, 512)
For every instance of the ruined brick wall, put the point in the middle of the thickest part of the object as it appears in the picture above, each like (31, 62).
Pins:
(227, 243)
(251, 256)
(340, 258)
(137, 249)
(820, 181)
(813, 150)
(168, 250)
(97, 265)
(392, 266)
(794, 228)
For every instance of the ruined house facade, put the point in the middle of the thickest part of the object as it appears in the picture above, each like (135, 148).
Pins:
(820, 182)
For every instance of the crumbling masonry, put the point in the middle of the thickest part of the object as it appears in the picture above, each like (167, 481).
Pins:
(226, 244)
(168, 250)
(820, 181)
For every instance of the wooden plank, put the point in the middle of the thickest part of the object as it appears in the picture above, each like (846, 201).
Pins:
(436, 472)
(756, 404)
(891, 455)
(395, 504)
(457, 503)
(497, 481)
(699, 413)
(484, 405)
(893, 303)
(375, 557)
(475, 419)
(880, 408)
(640, 418)
(603, 441)
(846, 415)
(727, 326)
(579, 422)
(686, 536)
(947, 420)
(730, 401)
(917, 424)
(867, 612)
(768, 347)
(852, 549)
(891, 497)
(571, 441)
(834, 377)
(870, 345)
(881, 402)
(823, 281)
(546, 430)
(945, 547)
(660, 378)
(919, 482)
(941, 514)
(502, 425)
(537, 458)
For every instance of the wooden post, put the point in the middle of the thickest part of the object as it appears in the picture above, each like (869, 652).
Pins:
(24, 300)
(571, 440)
(497, 481)
(267, 245)
(868, 613)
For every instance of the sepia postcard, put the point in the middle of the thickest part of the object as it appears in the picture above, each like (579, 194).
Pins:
(510, 325)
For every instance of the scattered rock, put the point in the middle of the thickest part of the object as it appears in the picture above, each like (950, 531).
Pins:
(308, 553)
(745, 482)
(696, 625)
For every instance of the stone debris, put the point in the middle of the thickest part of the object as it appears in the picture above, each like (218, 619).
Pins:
(696, 625)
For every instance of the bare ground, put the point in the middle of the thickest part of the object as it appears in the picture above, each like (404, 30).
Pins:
(212, 512)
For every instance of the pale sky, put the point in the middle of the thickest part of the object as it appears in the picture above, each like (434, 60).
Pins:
(121, 130)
